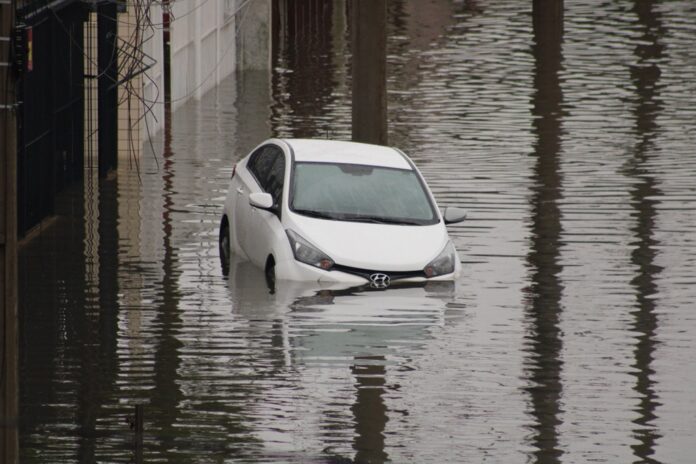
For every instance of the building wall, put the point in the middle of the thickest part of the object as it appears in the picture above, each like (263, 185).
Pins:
(204, 49)
(153, 79)
(202, 46)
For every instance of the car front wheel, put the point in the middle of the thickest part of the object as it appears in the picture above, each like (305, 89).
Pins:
(224, 246)
(270, 274)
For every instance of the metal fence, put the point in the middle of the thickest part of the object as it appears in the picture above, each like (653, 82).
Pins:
(53, 110)
(50, 119)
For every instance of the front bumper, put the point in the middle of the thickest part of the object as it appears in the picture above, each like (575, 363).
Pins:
(295, 270)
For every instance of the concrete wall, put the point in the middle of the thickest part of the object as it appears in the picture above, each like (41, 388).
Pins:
(202, 47)
(210, 39)
(130, 105)
(153, 79)
(254, 35)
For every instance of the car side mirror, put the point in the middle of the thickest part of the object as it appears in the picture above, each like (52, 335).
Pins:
(261, 200)
(453, 215)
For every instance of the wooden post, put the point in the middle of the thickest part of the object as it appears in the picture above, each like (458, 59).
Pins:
(369, 43)
(9, 389)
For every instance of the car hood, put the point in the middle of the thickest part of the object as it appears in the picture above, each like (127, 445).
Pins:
(383, 247)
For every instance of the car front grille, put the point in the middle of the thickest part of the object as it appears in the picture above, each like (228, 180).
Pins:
(366, 273)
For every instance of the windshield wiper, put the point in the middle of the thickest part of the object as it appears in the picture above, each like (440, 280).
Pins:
(315, 214)
(354, 218)
(380, 220)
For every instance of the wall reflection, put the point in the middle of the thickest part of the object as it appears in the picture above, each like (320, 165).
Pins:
(543, 313)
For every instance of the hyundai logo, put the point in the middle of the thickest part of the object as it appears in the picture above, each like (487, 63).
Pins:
(379, 280)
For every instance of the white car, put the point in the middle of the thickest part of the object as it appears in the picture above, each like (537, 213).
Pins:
(331, 211)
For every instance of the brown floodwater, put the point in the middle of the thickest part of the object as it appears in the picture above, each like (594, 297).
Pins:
(568, 338)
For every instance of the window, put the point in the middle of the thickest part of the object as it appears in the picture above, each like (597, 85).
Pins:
(267, 165)
(261, 162)
(274, 182)
(349, 192)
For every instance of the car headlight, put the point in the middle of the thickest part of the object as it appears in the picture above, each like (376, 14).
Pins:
(307, 253)
(444, 262)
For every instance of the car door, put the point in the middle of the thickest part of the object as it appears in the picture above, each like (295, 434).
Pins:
(268, 169)
(248, 181)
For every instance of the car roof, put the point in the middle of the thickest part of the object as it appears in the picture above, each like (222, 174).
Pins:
(335, 151)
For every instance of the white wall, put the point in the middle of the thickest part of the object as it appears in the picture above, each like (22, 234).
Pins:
(204, 38)
(202, 46)
(153, 79)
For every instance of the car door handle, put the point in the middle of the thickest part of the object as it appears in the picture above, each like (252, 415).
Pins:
(240, 191)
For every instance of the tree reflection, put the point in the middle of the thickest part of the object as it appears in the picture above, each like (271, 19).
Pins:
(544, 311)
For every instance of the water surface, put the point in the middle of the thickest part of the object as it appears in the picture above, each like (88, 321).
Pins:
(568, 338)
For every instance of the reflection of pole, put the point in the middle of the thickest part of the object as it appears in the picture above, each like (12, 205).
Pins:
(547, 17)
(369, 21)
(369, 411)
(9, 446)
(166, 395)
(138, 431)
(546, 343)
(645, 75)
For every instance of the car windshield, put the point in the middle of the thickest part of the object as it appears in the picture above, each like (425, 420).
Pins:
(351, 192)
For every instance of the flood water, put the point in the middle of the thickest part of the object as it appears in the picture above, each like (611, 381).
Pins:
(568, 338)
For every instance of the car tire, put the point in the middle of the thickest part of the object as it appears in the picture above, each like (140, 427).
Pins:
(224, 246)
(270, 274)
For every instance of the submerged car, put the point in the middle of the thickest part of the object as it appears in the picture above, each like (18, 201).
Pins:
(333, 211)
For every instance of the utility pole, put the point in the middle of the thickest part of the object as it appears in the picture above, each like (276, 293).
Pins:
(9, 385)
(369, 37)
(107, 90)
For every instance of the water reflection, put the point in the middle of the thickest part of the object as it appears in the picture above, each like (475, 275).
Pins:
(568, 337)
(645, 75)
(307, 43)
(356, 330)
(164, 405)
(546, 287)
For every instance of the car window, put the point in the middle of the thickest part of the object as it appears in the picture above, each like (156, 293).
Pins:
(355, 192)
(261, 162)
(276, 175)
(267, 164)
